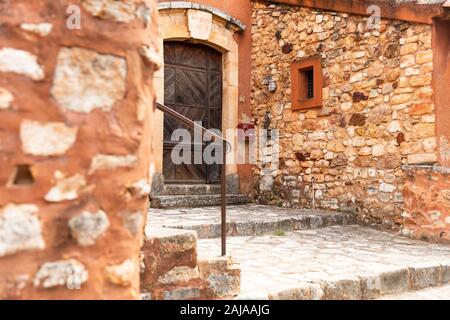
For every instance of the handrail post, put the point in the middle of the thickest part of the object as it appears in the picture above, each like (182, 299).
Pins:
(224, 198)
(223, 178)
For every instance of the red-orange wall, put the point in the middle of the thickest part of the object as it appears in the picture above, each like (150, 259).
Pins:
(441, 81)
(240, 9)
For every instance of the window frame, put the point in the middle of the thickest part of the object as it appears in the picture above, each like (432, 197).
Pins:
(314, 63)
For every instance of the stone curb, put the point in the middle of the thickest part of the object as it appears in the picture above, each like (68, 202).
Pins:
(367, 287)
(256, 228)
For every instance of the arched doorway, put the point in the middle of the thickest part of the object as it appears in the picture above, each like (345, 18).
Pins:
(193, 87)
(179, 23)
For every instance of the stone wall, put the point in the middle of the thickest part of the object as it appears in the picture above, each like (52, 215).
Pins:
(172, 270)
(75, 99)
(377, 111)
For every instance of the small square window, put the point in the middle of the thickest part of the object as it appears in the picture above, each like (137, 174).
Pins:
(307, 84)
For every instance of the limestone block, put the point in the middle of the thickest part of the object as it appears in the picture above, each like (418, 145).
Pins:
(122, 274)
(182, 294)
(394, 281)
(421, 80)
(200, 24)
(163, 250)
(46, 139)
(21, 62)
(120, 11)
(386, 187)
(424, 56)
(429, 145)
(20, 229)
(425, 275)
(66, 188)
(109, 162)
(423, 130)
(69, 273)
(6, 98)
(133, 222)
(378, 150)
(422, 158)
(221, 277)
(87, 227)
(343, 289)
(408, 49)
(42, 29)
(86, 80)
(179, 274)
(152, 56)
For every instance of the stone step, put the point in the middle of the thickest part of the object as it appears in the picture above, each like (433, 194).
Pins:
(362, 287)
(170, 269)
(190, 189)
(221, 277)
(204, 200)
(246, 220)
(434, 293)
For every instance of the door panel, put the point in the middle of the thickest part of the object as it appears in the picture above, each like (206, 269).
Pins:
(193, 87)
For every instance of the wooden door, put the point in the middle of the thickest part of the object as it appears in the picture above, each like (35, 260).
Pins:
(193, 87)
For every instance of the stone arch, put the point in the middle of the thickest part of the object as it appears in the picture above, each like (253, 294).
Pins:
(187, 21)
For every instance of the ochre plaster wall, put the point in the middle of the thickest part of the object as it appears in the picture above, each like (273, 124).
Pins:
(74, 146)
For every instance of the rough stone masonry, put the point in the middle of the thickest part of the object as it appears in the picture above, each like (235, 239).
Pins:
(74, 111)
(377, 114)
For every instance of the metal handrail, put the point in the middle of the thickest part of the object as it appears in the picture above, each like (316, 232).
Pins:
(225, 147)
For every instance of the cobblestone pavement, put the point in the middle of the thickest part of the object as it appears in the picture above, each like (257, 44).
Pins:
(245, 220)
(273, 264)
(438, 293)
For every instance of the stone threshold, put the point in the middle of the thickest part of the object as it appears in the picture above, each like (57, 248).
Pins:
(195, 201)
(366, 287)
(427, 167)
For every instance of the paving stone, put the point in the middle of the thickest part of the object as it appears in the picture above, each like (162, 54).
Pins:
(335, 259)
